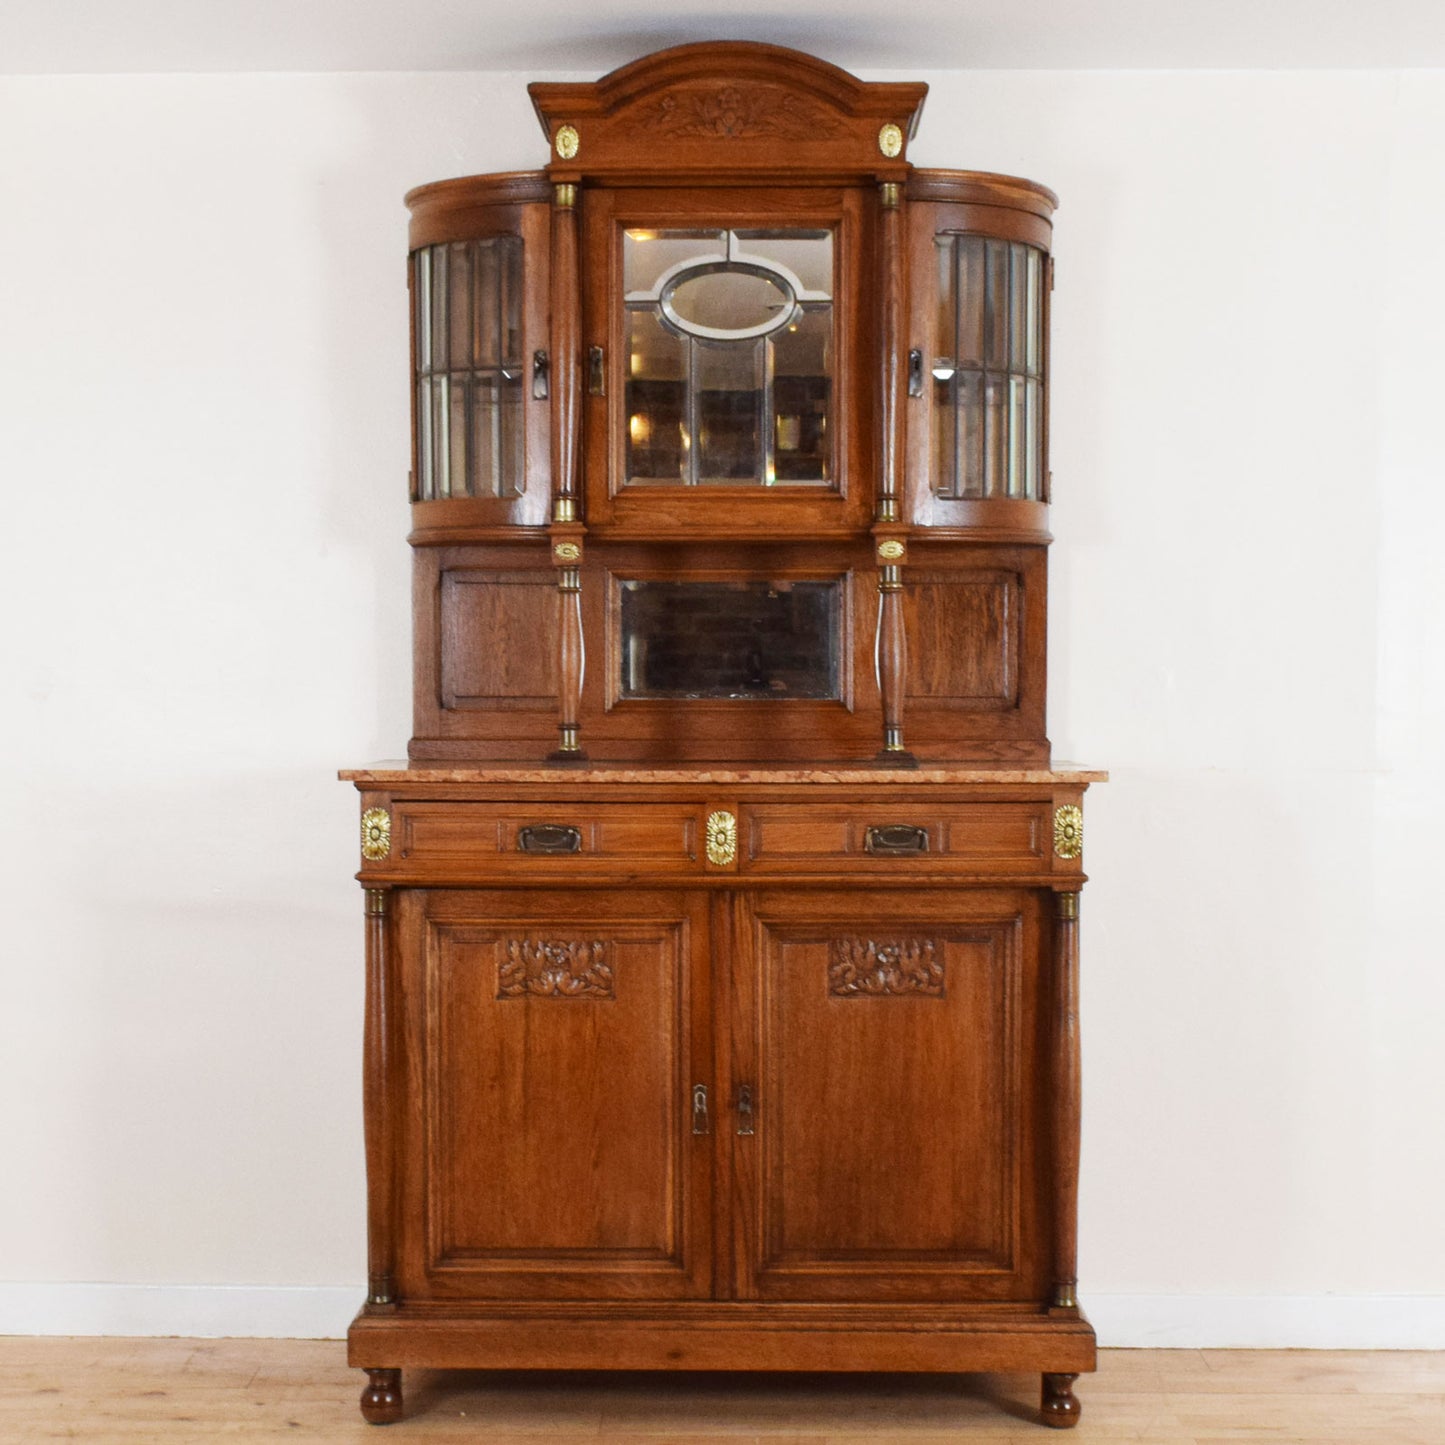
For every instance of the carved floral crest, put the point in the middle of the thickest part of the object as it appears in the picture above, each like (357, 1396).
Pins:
(735, 113)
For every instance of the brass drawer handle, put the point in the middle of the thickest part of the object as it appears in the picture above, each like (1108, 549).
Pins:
(896, 840)
(549, 838)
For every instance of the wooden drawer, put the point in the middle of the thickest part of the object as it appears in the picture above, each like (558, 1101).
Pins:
(896, 838)
(547, 839)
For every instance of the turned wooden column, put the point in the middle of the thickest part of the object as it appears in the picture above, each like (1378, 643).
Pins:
(571, 654)
(379, 1105)
(566, 532)
(1066, 1110)
(890, 409)
(566, 310)
(891, 647)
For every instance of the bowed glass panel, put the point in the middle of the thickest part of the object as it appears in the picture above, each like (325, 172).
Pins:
(467, 326)
(988, 373)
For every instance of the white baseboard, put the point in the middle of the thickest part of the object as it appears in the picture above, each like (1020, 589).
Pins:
(1132, 1321)
(1268, 1322)
(204, 1311)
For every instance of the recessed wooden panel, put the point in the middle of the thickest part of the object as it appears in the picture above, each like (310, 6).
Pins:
(491, 836)
(556, 1047)
(498, 639)
(963, 638)
(895, 1041)
(978, 837)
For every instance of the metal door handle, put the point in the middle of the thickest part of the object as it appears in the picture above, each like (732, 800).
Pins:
(745, 1108)
(915, 372)
(699, 1109)
(540, 369)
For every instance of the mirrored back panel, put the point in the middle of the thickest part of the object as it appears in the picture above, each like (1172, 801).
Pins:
(758, 640)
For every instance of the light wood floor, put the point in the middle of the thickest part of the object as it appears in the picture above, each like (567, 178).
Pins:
(191, 1390)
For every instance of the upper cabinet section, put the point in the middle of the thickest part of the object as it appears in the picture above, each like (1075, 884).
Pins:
(730, 310)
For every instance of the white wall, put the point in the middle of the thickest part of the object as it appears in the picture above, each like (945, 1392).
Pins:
(203, 456)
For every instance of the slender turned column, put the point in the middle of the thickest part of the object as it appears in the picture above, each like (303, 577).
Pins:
(566, 511)
(890, 411)
(571, 659)
(379, 1108)
(891, 650)
(566, 303)
(1066, 1072)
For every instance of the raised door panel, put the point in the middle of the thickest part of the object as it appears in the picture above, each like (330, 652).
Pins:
(553, 1046)
(895, 1066)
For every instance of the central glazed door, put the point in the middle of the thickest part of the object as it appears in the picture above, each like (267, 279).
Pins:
(891, 1046)
(549, 1147)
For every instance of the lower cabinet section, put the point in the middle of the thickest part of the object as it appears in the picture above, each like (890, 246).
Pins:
(722, 1121)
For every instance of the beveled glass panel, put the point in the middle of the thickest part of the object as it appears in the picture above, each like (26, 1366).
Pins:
(486, 316)
(425, 479)
(808, 255)
(728, 385)
(1033, 320)
(729, 372)
(972, 300)
(741, 640)
(656, 400)
(511, 459)
(802, 390)
(995, 435)
(730, 304)
(995, 305)
(648, 255)
(439, 354)
(970, 470)
(459, 306)
(485, 461)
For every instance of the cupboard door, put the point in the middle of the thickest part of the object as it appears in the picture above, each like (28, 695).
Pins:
(891, 1046)
(553, 1046)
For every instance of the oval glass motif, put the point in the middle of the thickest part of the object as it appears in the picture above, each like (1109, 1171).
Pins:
(729, 301)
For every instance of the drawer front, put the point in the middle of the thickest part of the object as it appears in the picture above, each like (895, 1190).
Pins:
(897, 838)
(547, 839)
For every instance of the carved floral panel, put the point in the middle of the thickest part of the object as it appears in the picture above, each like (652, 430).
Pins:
(548, 968)
(867, 967)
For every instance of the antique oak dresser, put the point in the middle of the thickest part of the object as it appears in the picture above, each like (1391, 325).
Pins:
(722, 927)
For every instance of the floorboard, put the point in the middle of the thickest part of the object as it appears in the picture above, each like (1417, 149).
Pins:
(259, 1390)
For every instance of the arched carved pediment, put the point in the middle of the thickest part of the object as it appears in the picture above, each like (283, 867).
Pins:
(733, 107)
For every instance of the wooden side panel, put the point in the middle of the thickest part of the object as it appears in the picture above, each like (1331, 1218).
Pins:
(896, 1097)
(553, 1041)
(963, 630)
(498, 638)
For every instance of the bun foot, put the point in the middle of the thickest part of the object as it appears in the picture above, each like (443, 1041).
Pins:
(381, 1399)
(1060, 1408)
